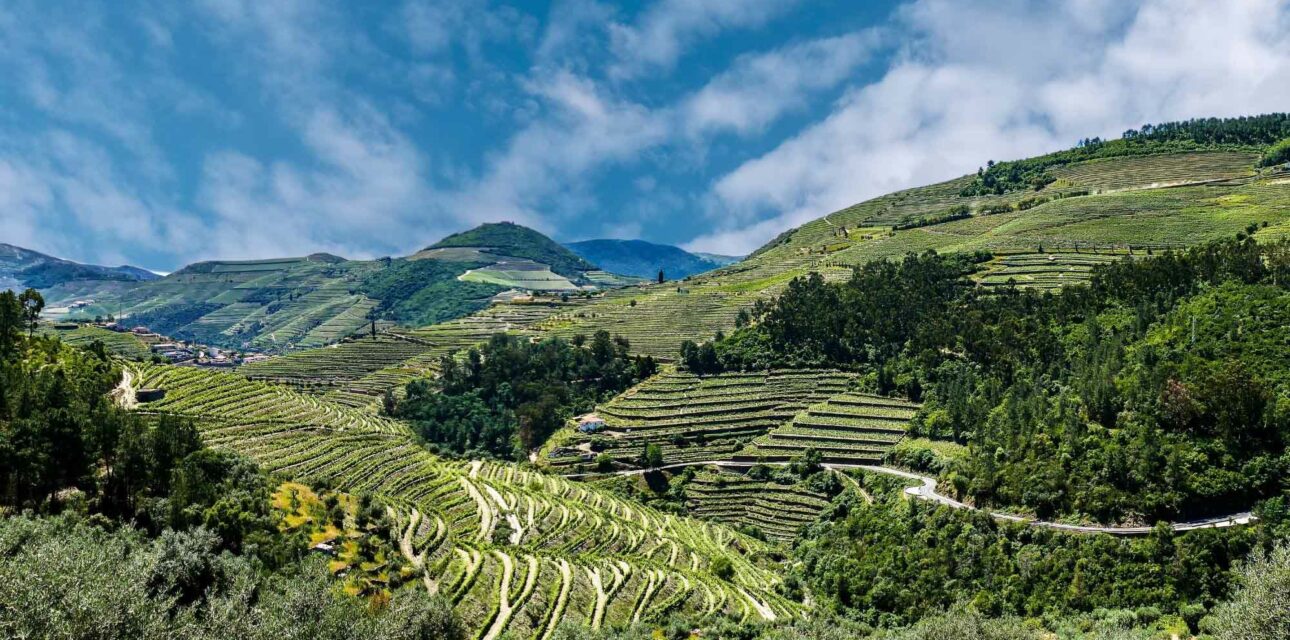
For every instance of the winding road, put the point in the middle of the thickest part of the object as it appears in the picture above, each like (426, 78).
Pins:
(926, 490)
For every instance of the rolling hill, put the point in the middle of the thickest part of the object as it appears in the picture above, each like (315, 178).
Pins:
(645, 259)
(281, 304)
(22, 268)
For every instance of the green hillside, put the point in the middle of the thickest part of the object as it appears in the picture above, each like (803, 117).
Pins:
(22, 268)
(513, 240)
(1099, 207)
(285, 304)
(1099, 210)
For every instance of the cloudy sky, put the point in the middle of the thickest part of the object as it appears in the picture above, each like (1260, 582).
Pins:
(159, 133)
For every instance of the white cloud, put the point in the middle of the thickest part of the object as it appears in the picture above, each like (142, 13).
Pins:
(662, 31)
(982, 81)
(540, 176)
(757, 89)
(367, 183)
(63, 182)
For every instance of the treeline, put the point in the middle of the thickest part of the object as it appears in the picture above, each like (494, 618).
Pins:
(1244, 130)
(1159, 391)
(507, 397)
(1191, 135)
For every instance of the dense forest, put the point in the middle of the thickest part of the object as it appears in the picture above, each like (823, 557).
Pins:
(120, 525)
(507, 397)
(1159, 391)
(422, 292)
(1254, 132)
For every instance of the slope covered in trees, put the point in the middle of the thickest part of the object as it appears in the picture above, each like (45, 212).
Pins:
(1160, 389)
(507, 397)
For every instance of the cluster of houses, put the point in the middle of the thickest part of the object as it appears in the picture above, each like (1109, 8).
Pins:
(181, 352)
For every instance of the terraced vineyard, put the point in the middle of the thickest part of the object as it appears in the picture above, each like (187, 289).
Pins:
(849, 428)
(778, 511)
(1169, 169)
(699, 419)
(246, 407)
(1043, 270)
(126, 345)
(655, 318)
(515, 551)
(332, 366)
(523, 274)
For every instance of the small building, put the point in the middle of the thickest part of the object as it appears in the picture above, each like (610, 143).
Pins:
(591, 423)
(149, 395)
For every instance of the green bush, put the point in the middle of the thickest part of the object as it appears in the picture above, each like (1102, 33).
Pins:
(722, 568)
(1278, 153)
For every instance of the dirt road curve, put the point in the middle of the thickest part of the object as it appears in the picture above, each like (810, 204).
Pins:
(926, 490)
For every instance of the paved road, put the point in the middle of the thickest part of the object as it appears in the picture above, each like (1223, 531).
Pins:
(926, 490)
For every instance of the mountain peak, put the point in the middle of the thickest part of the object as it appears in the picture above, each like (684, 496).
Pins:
(507, 239)
(644, 259)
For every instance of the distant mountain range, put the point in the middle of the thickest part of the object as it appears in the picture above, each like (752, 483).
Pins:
(22, 268)
(645, 259)
(285, 303)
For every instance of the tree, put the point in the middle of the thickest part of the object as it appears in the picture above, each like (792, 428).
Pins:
(652, 457)
(1261, 606)
(32, 304)
(11, 321)
(722, 568)
(660, 276)
(371, 317)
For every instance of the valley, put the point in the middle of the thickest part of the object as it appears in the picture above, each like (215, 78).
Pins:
(1046, 401)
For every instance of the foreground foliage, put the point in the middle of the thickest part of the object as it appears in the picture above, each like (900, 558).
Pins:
(65, 578)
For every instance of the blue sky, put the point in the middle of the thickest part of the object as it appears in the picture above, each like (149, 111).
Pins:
(160, 133)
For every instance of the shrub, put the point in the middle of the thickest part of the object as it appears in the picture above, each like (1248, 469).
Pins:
(722, 568)
(1276, 154)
